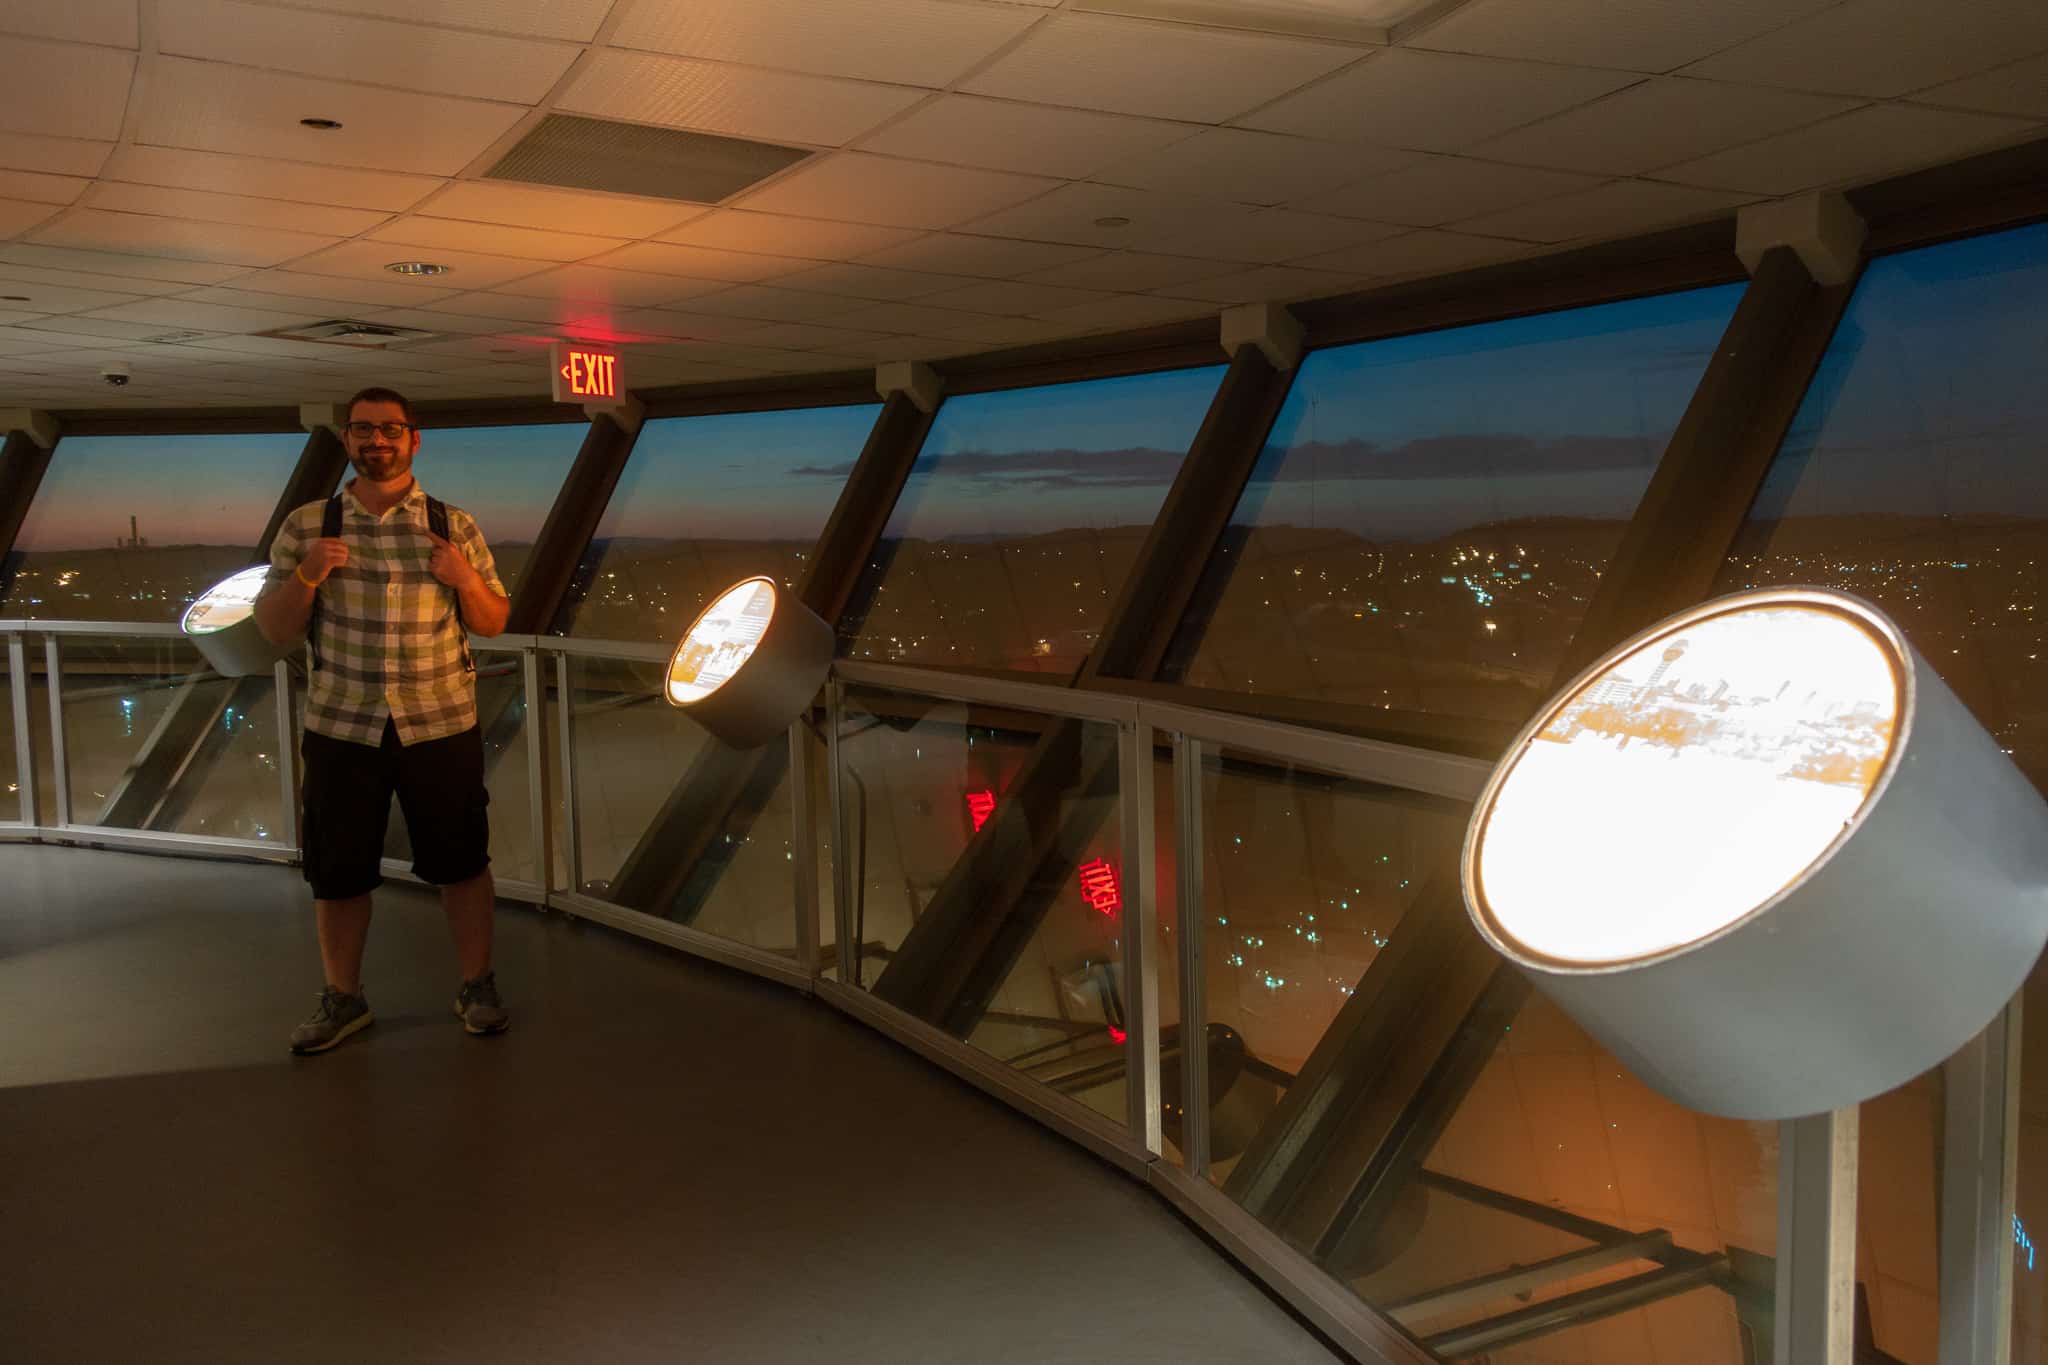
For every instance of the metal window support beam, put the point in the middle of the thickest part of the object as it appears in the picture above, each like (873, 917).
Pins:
(542, 599)
(24, 460)
(1816, 1289)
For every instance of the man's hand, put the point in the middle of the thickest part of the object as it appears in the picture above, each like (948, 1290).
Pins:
(323, 557)
(450, 566)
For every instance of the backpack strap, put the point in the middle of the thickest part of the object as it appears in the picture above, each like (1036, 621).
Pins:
(330, 527)
(437, 522)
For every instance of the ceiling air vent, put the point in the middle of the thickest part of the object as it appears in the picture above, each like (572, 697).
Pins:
(631, 158)
(348, 332)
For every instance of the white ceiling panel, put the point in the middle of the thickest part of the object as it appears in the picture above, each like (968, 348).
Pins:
(261, 177)
(610, 215)
(57, 298)
(1129, 310)
(52, 155)
(478, 65)
(878, 189)
(611, 288)
(1087, 215)
(1002, 332)
(998, 258)
(2020, 89)
(232, 208)
(1433, 101)
(918, 348)
(117, 263)
(1267, 283)
(467, 270)
(1251, 167)
(1005, 135)
(774, 234)
(1634, 35)
(777, 106)
(510, 308)
(1273, 235)
(704, 263)
(769, 304)
(432, 234)
(1613, 210)
(870, 282)
(436, 322)
(210, 107)
(670, 322)
(574, 20)
(1446, 188)
(911, 42)
(391, 290)
(110, 23)
(1130, 66)
(1013, 298)
(911, 318)
(36, 188)
(1130, 270)
(213, 316)
(183, 239)
(1418, 253)
(103, 328)
(1886, 47)
(283, 303)
(810, 336)
(1657, 123)
(1863, 145)
(62, 90)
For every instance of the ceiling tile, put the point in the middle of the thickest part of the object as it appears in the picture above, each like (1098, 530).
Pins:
(1131, 66)
(209, 107)
(774, 305)
(178, 168)
(911, 42)
(390, 290)
(1073, 214)
(667, 258)
(1005, 135)
(515, 308)
(231, 208)
(610, 215)
(97, 327)
(232, 297)
(52, 155)
(810, 336)
(919, 348)
(436, 322)
(57, 298)
(773, 234)
(1013, 298)
(1417, 253)
(611, 288)
(1612, 210)
(953, 253)
(870, 282)
(1130, 270)
(1274, 235)
(1128, 310)
(1881, 48)
(877, 189)
(2020, 89)
(366, 260)
(1004, 332)
(670, 322)
(1880, 140)
(406, 56)
(1446, 188)
(62, 90)
(908, 317)
(1433, 101)
(216, 243)
(109, 23)
(1267, 283)
(1634, 35)
(432, 234)
(1251, 167)
(777, 106)
(117, 263)
(181, 313)
(36, 188)
(1657, 123)
(574, 20)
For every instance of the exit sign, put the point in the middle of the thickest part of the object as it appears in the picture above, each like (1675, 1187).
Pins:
(589, 375)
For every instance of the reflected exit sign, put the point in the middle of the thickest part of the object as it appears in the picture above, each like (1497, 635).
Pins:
(589, 375)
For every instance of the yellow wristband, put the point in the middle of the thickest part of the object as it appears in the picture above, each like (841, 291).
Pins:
(298, 574)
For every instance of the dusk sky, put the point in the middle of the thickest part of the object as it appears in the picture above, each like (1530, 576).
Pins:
(183, 490)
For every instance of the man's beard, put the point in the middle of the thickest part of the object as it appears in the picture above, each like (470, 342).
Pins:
(381, 468)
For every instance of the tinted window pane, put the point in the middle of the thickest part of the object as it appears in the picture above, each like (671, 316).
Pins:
(704, 502)
(1021, 519)
(505, 477)
(132, 528)
(1432, 512)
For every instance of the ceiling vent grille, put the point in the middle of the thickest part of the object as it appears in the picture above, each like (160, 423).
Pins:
(631, 158)
(348, 332)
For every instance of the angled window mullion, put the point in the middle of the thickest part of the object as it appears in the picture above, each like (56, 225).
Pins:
(579, 506)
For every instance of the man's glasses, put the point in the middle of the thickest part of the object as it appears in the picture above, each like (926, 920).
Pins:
(390, 431)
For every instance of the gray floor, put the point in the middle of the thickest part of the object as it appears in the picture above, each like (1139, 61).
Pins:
(663, 1160)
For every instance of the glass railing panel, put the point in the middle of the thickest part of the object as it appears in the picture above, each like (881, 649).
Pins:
(631, 751)
(753, 897)
(502, 715)
(155, 740)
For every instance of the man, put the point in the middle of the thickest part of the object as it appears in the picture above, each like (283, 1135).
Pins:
(391, 708)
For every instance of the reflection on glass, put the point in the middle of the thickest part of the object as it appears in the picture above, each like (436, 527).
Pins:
(506, 478)
(1020, 522)
(133, 528)
(1687, 782)
(1432, 513)
(631, 752)
(704, 502)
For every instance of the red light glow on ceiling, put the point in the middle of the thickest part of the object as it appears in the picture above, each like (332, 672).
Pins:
(979, 806)
(1100, 887)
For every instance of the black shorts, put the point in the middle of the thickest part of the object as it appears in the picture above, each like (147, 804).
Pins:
(348, 789)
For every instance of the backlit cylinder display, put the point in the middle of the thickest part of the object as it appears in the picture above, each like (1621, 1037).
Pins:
(222, 624)
(1764, 855)
(750, 663)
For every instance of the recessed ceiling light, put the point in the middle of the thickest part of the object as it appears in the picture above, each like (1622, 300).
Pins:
(1113, 220)
(417, 268)
(325, 125)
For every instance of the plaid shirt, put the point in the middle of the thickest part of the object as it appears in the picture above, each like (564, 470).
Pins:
(391, 644)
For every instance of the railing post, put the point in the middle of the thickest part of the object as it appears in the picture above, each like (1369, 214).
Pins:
(24, 738)
(1140, 933)
(1815, 1309)
(287, 753)
(1194, 981)
(60, 757)
(803, 845)
(565, 712)
(842, 860)
(537, 770)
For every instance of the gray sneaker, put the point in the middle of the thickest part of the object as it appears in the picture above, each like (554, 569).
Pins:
(478, 1006)
(337, 1017)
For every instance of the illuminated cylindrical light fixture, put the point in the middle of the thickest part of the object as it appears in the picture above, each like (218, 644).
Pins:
(750, 663)
(222, 624)
(1765, 856)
